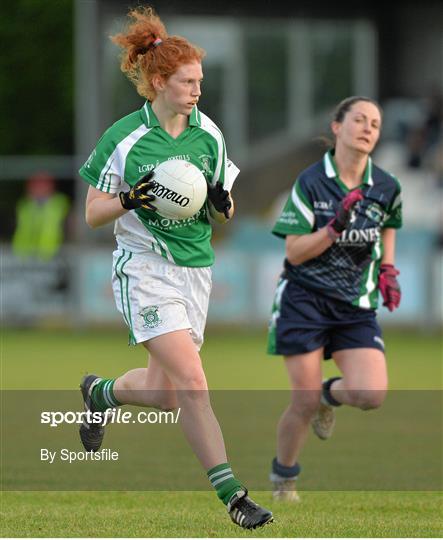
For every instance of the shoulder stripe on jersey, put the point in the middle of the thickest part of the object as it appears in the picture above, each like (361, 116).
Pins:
(118, 158)
(307, 213)
(208, 125)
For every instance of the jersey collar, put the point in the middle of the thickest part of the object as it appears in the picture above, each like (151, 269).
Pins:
(332, 171)
(195, 117)
(151, 120)
(148, 116)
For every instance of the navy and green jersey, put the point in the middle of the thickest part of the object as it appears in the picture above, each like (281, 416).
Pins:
(348, 270)
(131, 148)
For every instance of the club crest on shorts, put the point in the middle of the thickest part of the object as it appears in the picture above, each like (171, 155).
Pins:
(150, 317)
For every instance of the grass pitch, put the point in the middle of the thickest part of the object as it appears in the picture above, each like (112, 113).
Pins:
(57, 359)
(233, 360)
(199, 514)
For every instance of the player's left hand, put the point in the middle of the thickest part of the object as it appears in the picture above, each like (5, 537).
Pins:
(219, 198)
(389, 286)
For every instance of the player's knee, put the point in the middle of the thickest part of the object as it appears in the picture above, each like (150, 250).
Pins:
(305, 403)
(369, 399)
(193, 382)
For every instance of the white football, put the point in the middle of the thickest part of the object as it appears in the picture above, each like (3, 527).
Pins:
(180, 189)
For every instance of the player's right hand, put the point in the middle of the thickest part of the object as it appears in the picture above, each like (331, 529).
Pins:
(138, 196)
(343, 214)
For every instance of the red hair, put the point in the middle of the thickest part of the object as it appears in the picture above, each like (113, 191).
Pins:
(149, 51)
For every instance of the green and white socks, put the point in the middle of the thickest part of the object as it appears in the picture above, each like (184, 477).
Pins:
(224, 482)
(221, 476)
(103, 395)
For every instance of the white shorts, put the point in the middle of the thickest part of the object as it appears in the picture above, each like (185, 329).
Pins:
(156, 296)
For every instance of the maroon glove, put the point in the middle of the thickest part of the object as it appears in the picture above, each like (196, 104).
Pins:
(389, 286)
(343, 215)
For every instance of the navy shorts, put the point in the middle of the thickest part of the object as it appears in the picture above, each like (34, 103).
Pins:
(304, 321)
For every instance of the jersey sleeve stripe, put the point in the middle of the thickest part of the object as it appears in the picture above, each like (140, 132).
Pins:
(397, 202)
(211, 128)
(104, 173)
(302, 206)
(115, 165)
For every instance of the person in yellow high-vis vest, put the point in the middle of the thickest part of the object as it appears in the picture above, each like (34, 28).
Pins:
(40, 217)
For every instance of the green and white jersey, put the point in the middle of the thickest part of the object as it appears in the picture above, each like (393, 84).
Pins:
(131, 148)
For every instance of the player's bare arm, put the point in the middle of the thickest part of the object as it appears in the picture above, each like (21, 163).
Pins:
(302, 248)
(388, 239)
(102, 208)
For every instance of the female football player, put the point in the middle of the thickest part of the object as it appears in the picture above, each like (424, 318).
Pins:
(162, 268)
(339, 224)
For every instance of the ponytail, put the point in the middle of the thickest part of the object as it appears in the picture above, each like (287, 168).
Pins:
(148, 50)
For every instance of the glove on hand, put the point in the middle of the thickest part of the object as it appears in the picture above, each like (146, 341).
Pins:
(138, 196)
(389, 286)
(341, 220)
(219, 198)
